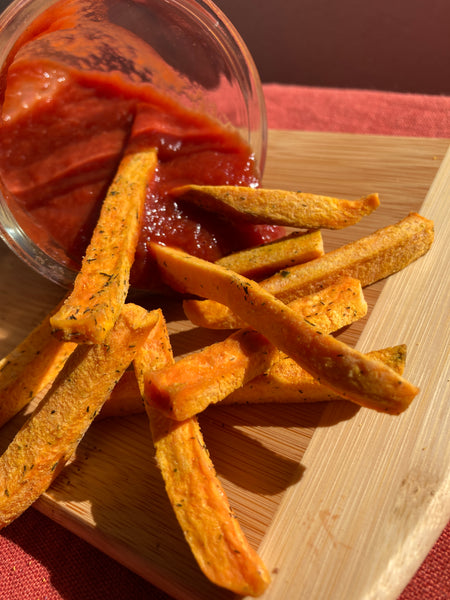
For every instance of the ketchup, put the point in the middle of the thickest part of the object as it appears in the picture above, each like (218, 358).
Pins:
(67, 120)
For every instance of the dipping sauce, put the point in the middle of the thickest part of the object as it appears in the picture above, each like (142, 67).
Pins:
(67, 118)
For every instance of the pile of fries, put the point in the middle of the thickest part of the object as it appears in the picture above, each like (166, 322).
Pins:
(98, 355)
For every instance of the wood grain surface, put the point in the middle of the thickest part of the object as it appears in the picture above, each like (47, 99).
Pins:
(341, 502)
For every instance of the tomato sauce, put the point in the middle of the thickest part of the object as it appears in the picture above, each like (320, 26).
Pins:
(66, 121)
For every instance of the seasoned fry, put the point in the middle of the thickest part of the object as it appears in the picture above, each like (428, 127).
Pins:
(284, 382)
(278, 207)
(345, 370)
(202, 509)
(50, 436)
(196, 495)
(28, 369)
(267, 259)
(287, 382)
(199, 379)
(368, 259)
(187, 387)
(101, 287)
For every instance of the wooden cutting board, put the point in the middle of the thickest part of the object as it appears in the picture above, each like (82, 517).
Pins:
(341, 502)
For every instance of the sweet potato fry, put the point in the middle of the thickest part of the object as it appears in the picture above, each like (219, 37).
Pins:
(187, 387)
(101, 287)
(50, 436)
(345, 370)
(278, 207)
(28, 369)
(199, 379)
(202, 509)
(287, 382)
(195, 493)
(369, 259)
(267, 259)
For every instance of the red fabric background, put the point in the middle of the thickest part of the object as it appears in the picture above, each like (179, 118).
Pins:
(41, 560)
(357, 111)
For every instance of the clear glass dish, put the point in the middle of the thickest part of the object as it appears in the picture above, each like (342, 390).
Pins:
(196, 57)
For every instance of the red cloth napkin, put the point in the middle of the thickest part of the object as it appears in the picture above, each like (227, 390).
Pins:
(357, 111)
(39, 560)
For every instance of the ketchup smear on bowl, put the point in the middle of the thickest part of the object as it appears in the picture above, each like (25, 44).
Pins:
(66, 121)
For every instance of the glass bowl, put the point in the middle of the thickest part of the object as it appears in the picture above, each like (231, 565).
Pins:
(191, 53)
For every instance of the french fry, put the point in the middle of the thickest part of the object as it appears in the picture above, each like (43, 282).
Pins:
(202, 509)
(345, 370)
(278, 207)
(50, 436)
(201, 378)
(267, 259)
(284, 382)
(195, 493)
(101, 287)
(368, 259)
(206, 377)
(28, 369)
(287, 382)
